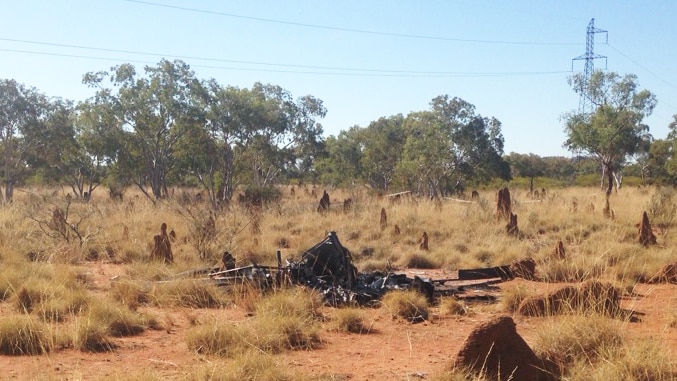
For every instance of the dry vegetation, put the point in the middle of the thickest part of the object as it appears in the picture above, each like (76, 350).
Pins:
(57, 297)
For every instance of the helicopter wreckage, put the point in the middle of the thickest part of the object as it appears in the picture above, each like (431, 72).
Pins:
(328, 267)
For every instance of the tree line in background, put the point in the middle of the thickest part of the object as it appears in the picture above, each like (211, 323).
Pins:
(164, 127)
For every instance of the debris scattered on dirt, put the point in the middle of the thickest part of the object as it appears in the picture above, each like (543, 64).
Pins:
(328, 267)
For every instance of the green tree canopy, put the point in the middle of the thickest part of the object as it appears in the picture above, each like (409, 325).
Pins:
(451, 144)
(615, 130)
(23, 111)
(155, 111)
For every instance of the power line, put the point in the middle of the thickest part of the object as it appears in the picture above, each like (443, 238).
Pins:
(207, 58)
(354, 72)
(351, 30)
(642, 67)
(82, 47)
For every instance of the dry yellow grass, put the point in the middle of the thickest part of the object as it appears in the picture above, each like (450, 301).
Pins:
(42, 280)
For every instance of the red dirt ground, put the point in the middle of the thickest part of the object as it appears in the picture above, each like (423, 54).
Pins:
(394, 350)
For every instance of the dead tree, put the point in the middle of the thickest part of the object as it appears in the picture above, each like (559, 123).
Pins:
(162, 247)
(423, 242)
(503, 204)
(384, 219)
(646, 236)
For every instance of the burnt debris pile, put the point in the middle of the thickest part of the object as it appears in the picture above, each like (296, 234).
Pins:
(328, 267)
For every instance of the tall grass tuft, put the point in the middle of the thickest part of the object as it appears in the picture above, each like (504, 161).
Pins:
(594, 348)
(247, 367)
(118, 319)
(23, 335)
(453, 306)
(131, 293)
(575, 339)
(188, 293)
(409, 305)
(350, 320)
(284, 320)
(218, 338)
(90, 336)
(513, 296)
(420, 261)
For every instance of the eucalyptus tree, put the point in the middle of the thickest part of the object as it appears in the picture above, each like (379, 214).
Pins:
(615, 130)
(99, 136)
(271, 131)
(526, 165)
(305, 142)
(23, 111)
(662, 163)
(250, 136)
(342, 164)
(450, 144)
(382, 145)
(154, 110)
(59, 157)
(206, 153)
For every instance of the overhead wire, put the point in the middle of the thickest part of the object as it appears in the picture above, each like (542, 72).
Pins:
(642, 66)
(82, 47)
(352, 30)
(304, 69)
(356, 74)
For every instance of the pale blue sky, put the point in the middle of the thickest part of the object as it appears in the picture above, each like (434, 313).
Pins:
(364, 59)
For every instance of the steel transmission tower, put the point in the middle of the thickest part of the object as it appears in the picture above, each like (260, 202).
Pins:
(585, 103)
